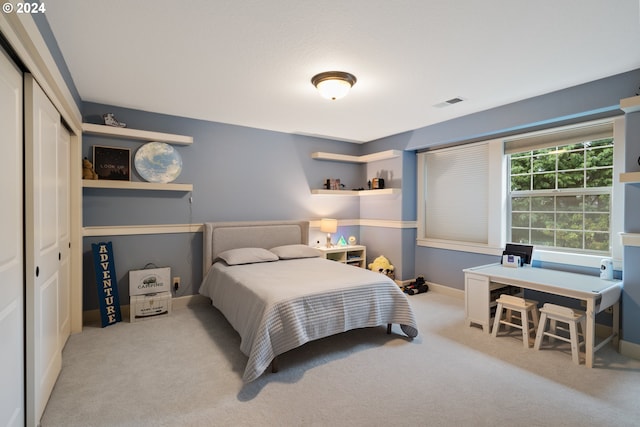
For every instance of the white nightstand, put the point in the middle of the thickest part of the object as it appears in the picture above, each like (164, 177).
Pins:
(352, 255)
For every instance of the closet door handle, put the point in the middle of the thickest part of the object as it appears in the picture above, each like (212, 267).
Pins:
(37, 271)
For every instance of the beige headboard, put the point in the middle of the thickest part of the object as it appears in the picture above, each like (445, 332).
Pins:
(221, 236)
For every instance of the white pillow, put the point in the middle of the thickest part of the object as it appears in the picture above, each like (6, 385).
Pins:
(247, 256)
(295, 251)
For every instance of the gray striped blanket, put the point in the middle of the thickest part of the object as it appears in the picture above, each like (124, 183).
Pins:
(278, 306)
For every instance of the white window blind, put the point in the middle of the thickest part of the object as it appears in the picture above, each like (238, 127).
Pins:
(456, 194)
(558, 137)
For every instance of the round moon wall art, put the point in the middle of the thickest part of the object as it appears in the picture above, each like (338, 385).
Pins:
(158, 162)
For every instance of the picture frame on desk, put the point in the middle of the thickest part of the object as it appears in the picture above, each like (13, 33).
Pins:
(112, 163)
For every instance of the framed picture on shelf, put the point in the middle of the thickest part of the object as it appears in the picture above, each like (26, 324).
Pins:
(112, 163)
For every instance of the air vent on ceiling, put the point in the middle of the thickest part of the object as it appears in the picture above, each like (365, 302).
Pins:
(449, 102)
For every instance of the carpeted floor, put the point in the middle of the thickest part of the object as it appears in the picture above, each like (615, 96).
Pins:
(185, 370)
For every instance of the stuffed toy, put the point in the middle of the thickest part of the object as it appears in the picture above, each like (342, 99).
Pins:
(417, 287)
(87, 170)
(382, 265)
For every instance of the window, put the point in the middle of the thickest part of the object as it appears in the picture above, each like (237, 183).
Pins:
(556, 189)
(560, 189)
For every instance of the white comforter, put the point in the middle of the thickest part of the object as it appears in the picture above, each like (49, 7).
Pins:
(278, 306)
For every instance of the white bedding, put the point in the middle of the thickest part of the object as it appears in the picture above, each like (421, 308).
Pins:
(278, 306)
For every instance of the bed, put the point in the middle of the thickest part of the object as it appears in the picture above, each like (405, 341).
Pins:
(278, 293)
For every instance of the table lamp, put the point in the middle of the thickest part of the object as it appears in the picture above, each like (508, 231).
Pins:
(328, 225)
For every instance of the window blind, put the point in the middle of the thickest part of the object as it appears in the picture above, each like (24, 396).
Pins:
(456, 193)
(548, 139)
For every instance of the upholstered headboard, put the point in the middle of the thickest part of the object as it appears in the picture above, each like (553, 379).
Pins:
(221, 236)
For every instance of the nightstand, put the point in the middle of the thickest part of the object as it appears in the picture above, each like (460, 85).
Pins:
(352, 255)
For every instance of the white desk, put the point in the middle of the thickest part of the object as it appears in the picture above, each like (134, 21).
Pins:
(597, 293)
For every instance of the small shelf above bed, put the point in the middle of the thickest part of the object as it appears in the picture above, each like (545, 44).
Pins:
(367, 158)
(388, 191)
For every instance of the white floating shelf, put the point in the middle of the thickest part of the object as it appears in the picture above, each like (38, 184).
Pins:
(382, 155)
(136, 230)
(384, 191)
(134, 185)
(630, 105)
(144, 135)
(630, 177)
(630, 239)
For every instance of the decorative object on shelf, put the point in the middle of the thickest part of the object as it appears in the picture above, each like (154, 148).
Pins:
(158, 162)
(341, 241)
(328, 225)
(382, 265)
(352, 240)
(110, 120)
(112, 163)
(419, 286)
(333, 184)
(333, 84)
(377, 183)
(87, 170)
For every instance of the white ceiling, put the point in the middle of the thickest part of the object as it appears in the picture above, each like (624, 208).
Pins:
(250, 62)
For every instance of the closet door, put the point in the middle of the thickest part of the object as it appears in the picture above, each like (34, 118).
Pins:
(11, 236)
(44, 155)
(64, 234)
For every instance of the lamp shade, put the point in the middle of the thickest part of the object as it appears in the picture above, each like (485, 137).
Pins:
(333, 84)
(328, 225)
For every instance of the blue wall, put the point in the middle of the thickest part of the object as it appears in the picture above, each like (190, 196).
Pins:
(238, 174)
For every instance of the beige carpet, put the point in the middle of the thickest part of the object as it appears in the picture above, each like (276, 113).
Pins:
(185, 370)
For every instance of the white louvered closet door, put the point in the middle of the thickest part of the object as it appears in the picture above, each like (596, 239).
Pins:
(12, 409)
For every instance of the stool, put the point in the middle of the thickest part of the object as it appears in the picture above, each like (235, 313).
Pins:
(557, 313)
(511, 304)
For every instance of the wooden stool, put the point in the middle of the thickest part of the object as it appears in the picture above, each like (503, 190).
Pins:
(511, 304)
(557, 313)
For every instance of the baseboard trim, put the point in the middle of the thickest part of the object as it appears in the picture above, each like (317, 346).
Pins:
(630, 349)
(446, 290)
(93, 316)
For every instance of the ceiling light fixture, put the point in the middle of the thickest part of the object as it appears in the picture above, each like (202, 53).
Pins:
(333, 84)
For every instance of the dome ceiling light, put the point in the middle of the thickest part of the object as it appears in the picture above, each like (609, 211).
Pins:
(333, 84)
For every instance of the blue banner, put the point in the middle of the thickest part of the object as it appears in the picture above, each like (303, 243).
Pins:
(107, 283)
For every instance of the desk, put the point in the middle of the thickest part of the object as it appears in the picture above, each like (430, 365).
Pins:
(598, 294)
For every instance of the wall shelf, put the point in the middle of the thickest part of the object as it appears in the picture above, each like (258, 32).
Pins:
(134, 185)
(630, 239)
(630, 177)
(382, 155)
(359, 193)
(630, 105)
(136, 134)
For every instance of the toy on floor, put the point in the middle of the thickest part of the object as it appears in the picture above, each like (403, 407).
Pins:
(382, 265)
(417, 287)
(87, 170)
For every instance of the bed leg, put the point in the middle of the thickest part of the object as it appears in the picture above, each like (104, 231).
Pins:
(274, 365)
(388, 328)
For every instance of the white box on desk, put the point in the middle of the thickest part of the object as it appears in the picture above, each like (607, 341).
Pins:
(149, 306)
